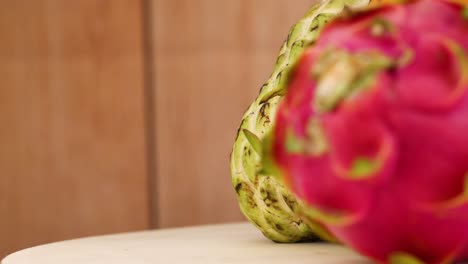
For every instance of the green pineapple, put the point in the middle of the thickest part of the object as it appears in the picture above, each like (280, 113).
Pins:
(262, 198)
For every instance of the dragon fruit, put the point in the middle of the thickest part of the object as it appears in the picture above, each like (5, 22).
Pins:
(262, 198)
(372, 135)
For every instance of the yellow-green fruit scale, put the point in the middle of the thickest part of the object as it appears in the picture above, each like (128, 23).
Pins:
(263, 199)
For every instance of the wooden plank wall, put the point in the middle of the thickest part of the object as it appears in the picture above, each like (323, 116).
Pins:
(211, 58)
(72, 148)
(87, 98)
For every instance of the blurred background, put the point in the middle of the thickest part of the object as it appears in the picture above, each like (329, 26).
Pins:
(119, 115)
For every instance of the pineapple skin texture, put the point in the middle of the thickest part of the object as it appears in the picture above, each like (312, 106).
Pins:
(264, 199)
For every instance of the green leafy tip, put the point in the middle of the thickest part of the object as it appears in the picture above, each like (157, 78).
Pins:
(465, 13)
(294, 144)
(254, 141)
(268, 163)
(363, 167)
(404, 258)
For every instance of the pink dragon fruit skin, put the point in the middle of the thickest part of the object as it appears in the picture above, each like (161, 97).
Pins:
(373, 133)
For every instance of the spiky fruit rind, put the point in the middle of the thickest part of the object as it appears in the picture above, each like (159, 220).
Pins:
(263, 198)
(388, 89)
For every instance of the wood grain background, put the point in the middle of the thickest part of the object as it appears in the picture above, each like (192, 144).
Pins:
(211, 59)
(119, 115)
(72, 155)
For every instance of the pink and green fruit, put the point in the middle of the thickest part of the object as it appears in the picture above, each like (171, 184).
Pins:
(372, 135)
